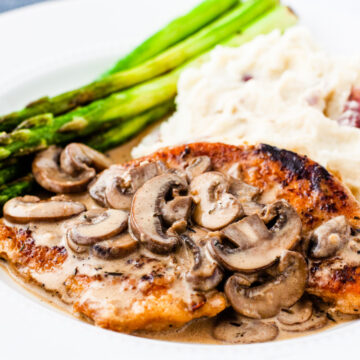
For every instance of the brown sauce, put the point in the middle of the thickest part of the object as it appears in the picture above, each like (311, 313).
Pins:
(196, 332)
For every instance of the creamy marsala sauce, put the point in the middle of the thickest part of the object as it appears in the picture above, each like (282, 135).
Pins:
(53, 234)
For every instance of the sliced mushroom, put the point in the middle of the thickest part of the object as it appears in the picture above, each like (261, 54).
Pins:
(146, 221)
(247, 233)
(317, 321)
(79, 249)
(237, 329)
(198, 166)
(266, 300)
(97, 188)
(246, 194)
(117, 196)
(97, 225)
(115, 248)
(330, 237)
(177, 209)
(77, 158)
(31, 208)
(242, 191)
(139, 175)
(252, 208)
(51, 177)
(205, 274)
(259, 247)
(68, 170)
(296, 314)
(215, 207)
(116, 186)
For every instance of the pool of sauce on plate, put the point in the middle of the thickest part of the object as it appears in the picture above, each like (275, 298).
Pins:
(197, 331)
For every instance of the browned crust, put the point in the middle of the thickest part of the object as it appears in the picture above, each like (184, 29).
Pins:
(20, 249)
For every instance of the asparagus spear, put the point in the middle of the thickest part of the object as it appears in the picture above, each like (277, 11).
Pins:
(122, 132)
(174, 32)
(177, 30)
(12, 172)
(31, 136)
(196, 44)
(16, 188)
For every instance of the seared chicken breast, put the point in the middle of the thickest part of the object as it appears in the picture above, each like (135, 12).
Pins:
(160, 272)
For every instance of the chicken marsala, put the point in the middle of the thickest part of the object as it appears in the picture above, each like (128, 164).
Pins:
(261, 241)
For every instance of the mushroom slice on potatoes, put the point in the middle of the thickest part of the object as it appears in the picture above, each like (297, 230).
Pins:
(257, 246)
(215, 206)
(31, 208)
(206, 273)
(296, 314)
(146, 220)
(56, 175)
(198, 166)
(116, 247)
(97, 225)
(266, 300)
(330, 237)
(237, 329)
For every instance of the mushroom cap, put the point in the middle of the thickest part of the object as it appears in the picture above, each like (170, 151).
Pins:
(177, 209)
(31, 208)
(116, 247)
(243, 191)
(116, 186)
(247, 233)
(198, 166)
(316, 321)
(79, 249)
(260, 247)
(215, 207)
(146, 222)
(116, 197)
(97, 188)
(296, 314)
(205, 273)
(240, 330)
(97, 225)
(268, 299)
(77, 157)
(139, 175)
(330, 237)
(51, 177)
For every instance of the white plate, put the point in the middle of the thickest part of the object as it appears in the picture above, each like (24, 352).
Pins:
(55, 46)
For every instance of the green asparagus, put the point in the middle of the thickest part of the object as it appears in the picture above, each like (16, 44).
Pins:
(122, 132)
(19, 187)
(171, 34)
(31, 136)
(12, 172)
(195, 45)
(177, 30)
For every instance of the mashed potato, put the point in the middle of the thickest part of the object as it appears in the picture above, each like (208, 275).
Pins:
(278, 89)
